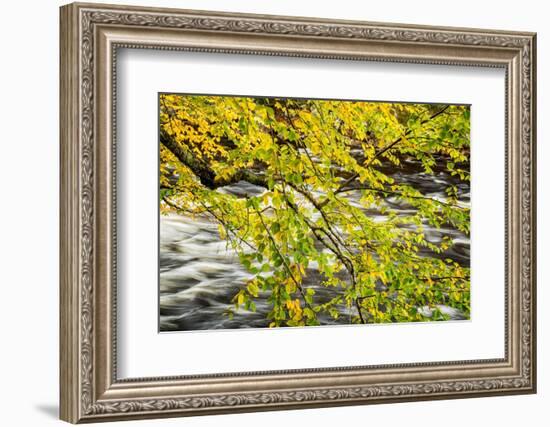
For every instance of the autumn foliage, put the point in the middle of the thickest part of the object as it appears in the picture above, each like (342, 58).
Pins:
(322, 170)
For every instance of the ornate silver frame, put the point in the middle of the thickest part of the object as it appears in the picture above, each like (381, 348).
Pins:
(90, 36)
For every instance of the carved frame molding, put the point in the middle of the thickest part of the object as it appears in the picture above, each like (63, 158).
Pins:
(90, 37)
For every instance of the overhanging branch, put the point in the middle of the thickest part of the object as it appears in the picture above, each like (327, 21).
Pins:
(203, 172)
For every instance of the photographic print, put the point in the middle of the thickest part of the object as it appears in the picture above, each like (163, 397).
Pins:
(275, 218)
(309, 212)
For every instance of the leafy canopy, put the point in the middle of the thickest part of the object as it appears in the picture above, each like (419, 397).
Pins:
(324, 170)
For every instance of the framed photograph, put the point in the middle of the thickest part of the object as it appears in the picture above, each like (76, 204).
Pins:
(266, 212)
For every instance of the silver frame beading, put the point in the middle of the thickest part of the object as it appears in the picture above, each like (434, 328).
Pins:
(90, 37)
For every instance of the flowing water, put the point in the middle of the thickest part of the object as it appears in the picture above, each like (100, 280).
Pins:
(199, 275)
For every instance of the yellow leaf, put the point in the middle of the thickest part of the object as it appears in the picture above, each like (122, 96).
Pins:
(240, 298)
(221, 230)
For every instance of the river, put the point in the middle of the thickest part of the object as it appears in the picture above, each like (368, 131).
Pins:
(199, 275)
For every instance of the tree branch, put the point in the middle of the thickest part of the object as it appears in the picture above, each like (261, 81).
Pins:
(397, 193)
(207, 176)
(287, 268)
(385, 149)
